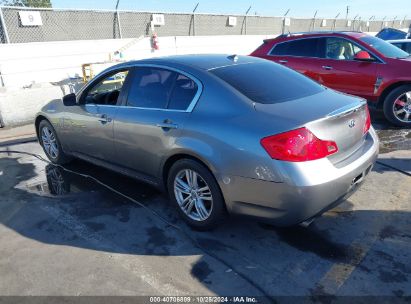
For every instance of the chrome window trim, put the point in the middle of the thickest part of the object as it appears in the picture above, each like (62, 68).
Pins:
(379, 60)
(98, 105)
(109, 70)
(193, 102)
(155, 109)
(122, 106)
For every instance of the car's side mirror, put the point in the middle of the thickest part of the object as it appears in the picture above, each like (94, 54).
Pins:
(70, 100)
(363, 56)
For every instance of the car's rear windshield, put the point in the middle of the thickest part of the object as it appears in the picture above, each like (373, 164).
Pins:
(267, 82)
(385, 48)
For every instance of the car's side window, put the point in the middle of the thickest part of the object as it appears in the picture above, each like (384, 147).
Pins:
(408, 47)
(398, 45)
(341, 49)
(107, 90)
(301, 48)
(150, 88)
(183, 93)
(157, 88)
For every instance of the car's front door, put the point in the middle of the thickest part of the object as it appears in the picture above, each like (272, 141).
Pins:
(88, 126)
(147, 125)
(340, 71)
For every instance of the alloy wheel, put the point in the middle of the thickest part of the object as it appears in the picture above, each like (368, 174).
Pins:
(49, 142)
(402, 107)
(193, 195)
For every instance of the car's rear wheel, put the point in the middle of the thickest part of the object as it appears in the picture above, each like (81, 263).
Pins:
(397, 106)
(196, 194)
(51, 144)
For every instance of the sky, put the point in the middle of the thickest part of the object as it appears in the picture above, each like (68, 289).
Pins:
(298, 8)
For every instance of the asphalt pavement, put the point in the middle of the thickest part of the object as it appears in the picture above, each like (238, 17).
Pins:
(83, 230)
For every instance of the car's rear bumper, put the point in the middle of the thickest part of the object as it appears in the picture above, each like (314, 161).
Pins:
(309, 189)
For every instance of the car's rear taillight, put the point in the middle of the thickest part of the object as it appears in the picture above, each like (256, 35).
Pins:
(297, 146)
(367, 125)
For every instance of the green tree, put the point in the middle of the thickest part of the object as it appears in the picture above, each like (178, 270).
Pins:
(28, 3)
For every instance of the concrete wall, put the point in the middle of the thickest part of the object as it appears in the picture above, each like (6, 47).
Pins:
(32, 74)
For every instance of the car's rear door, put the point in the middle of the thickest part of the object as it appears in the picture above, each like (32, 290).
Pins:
(159, 101)
(340, 71)
(300, 54)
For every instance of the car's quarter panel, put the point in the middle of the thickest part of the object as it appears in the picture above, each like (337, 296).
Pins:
(396, 71)
(254, 184)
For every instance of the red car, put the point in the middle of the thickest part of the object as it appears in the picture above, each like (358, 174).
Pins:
(350, 62)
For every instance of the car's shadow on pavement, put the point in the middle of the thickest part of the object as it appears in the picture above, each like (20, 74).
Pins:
(352, 252)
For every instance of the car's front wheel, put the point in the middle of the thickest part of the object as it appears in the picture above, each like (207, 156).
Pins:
(196, 194)
(51, 144)
(397, 106)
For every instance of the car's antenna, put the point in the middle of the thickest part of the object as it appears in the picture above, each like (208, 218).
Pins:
(233, 57)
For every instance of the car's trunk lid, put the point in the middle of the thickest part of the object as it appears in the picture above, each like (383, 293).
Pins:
(329, 116)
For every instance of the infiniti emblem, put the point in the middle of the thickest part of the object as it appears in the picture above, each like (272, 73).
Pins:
(351, 124)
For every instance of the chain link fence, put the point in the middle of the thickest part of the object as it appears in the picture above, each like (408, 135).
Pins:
(63, 25)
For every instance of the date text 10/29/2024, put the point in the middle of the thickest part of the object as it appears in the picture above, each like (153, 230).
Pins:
(206, 299)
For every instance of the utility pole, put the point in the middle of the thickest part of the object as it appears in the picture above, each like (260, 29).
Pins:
(369, 22)
(335, 21)
(194, 25)
(347, 12)
(393, 21)
(313, 21)
(284, 16)
(245, 20)
(118, 19)
(353, 22)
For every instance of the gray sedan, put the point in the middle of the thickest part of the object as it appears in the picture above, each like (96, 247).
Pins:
(221, 134)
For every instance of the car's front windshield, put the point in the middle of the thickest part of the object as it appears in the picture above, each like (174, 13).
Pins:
(385, 48)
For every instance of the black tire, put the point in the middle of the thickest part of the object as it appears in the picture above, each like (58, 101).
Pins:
(218, 210)
(389, 106)
(61, 158)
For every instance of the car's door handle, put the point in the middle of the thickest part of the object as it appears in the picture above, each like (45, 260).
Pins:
(104, 119)
(327, 67)
(283, 61)
(166, 125)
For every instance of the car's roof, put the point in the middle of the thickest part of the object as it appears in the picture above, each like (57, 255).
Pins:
(200, 61)
(399, 40)
(325, 33)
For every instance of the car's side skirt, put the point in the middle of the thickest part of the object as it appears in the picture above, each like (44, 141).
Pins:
(118, 169)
